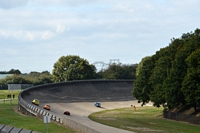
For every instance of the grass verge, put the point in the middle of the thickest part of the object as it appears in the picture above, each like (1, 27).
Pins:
(142, 120)
(4, 93)
(8, 116)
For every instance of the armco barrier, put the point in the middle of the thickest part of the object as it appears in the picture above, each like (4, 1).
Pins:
(29, 109)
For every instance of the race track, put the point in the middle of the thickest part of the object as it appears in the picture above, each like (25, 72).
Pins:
(78, 97)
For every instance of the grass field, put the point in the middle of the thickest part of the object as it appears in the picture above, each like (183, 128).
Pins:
(143, 120)
(8, 116)
(5, 93)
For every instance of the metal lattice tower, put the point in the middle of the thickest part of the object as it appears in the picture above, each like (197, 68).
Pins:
(114, 61)
(100, 64)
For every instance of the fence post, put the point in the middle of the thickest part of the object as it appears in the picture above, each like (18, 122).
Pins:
(2, 128)
(20, 130)
(11, 129)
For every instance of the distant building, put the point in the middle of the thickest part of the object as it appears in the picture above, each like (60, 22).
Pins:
(12, 87)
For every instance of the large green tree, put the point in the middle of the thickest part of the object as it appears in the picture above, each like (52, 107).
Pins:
(191, 82)
(188, 43)
(72, 67)
(142, 86)
(171, 77)
(171, 85)
(139, 66)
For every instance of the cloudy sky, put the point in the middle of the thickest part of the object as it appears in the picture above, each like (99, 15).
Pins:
(35, 33)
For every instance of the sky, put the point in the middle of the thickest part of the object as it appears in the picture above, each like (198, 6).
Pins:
(34, 34)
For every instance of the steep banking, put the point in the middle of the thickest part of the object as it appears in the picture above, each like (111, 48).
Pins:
(80, 91)
(78, 98)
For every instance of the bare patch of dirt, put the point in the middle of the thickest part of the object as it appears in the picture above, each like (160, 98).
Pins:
(138, 113)
(153, 123)
(143, 129)
(17, 111)
(106, 118)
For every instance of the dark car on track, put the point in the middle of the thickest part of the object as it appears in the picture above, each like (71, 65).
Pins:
(97, 104)
(66, 113)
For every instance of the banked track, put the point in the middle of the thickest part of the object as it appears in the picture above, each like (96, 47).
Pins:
(78, 97)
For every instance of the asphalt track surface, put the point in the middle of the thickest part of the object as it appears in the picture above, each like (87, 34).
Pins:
(78, 97)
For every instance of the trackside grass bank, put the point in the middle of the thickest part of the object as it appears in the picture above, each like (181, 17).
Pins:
(142, 120)
(9, 117)
(4, 94)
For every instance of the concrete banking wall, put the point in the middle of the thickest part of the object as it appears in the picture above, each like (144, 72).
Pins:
(30, 109)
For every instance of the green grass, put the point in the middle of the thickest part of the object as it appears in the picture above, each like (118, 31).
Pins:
(143, 120)
(5, 101)
(4, 93)
(8, 116)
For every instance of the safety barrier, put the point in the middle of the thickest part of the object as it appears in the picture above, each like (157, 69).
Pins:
(30, 109)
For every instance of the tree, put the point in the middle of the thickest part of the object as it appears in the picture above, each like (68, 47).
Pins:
(119, 71)
(171, 85)
(72, 67)
(142, 87)
(39, 78)
(15, 79)
(188, 43)
(191, 82)
(158, 75)
(13, 71)
(139, 67)
(171, 76)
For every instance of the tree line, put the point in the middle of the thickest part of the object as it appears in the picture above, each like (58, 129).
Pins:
(71, 67)
(171, 77)
(12, 71)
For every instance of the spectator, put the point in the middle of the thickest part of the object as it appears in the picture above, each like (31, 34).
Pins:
(134, 107)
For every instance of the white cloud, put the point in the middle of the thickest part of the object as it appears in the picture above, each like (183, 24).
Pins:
(46, 35)
(30, 36)
(27, 35)
(94, 30)
(60, 28)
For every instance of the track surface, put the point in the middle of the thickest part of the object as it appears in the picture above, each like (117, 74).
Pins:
(78, 97)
